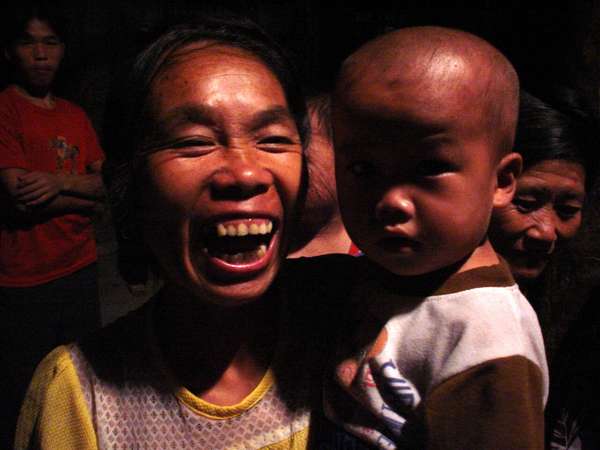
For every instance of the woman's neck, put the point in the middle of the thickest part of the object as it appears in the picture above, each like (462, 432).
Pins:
(331, 238)
(220, 354)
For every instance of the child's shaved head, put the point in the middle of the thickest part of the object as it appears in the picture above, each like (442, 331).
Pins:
(424, 121)
(438, 61)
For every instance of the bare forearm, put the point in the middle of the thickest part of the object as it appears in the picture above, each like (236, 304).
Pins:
(36, 204)
(87, 186)
(20, 215)
(67, 204)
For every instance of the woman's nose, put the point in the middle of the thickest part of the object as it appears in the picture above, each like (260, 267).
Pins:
(241, 177)
(542, 234)
(395, 206)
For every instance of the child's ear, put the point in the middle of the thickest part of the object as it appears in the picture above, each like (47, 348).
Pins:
(508, 170)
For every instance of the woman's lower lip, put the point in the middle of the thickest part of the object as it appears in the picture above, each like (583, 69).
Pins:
(228, 270)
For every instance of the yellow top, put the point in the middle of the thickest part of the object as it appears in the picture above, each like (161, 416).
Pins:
(54, 411)
(69, 406)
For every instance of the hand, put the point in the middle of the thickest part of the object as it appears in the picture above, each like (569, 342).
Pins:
(36, 188)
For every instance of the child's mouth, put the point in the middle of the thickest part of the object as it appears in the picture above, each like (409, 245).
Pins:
(398, 244)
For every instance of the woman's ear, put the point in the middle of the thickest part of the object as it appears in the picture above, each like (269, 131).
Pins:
(508, 170)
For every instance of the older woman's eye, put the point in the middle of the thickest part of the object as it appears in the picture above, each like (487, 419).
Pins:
(526, 204)
(566, 212)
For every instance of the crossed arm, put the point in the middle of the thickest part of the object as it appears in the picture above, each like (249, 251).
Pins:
(35, 194)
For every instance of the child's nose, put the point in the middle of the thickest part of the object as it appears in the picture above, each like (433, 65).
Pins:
(394, 207)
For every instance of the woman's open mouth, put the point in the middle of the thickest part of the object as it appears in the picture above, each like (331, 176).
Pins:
(239, 247)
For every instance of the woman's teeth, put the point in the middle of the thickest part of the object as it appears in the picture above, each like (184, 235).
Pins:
(244, 229)
(239, 241)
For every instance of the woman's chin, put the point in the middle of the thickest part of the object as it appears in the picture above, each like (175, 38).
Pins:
(527, 275)
(234, 286)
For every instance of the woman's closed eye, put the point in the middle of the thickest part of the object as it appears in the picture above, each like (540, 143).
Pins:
(191, 147)
(276, 143)
(567, 211)
(526, 203)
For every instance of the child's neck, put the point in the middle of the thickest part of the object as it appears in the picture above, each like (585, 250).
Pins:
(483, 255)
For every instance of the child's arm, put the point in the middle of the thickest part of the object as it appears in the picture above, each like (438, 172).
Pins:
(495, 405)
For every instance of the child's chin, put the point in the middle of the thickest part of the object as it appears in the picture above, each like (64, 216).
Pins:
(406, 268)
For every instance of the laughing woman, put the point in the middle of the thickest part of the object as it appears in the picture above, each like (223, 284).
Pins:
(208, 169)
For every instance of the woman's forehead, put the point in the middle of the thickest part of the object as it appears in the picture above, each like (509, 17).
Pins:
(210, 61)
(208, 52)
(555, 174)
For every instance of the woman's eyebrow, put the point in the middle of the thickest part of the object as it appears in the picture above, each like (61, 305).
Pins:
(187, 113)
(276, 114)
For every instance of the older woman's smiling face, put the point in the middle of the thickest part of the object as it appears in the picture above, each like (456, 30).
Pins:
(545, 213)
(219, 193)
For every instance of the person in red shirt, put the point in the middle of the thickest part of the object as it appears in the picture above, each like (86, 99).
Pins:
(50, 185)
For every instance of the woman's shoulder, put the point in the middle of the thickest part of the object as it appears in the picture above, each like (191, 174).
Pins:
(326, 267)
(54, 410)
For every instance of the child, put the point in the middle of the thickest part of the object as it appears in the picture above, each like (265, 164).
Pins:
(440, 349)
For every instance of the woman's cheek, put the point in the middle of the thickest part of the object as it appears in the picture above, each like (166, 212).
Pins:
(508, 220)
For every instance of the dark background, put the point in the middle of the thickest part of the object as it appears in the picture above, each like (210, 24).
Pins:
(547, 45)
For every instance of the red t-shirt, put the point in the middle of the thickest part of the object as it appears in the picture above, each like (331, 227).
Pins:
(50, 140)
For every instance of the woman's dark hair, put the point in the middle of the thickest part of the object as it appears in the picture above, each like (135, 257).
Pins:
(127, 121)
(559, 127)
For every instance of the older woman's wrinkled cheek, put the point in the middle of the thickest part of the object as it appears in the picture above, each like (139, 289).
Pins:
(507, 226)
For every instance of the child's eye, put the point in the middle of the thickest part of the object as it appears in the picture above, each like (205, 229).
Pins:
(526, 203)
(361, 168)
(434, 167)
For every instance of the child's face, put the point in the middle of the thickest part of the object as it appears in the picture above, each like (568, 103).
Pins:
(416, 174)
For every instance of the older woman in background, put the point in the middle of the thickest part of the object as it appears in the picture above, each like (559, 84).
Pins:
(546, 210)
(557, 141)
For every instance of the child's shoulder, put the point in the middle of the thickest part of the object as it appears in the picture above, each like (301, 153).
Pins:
(486, 296)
